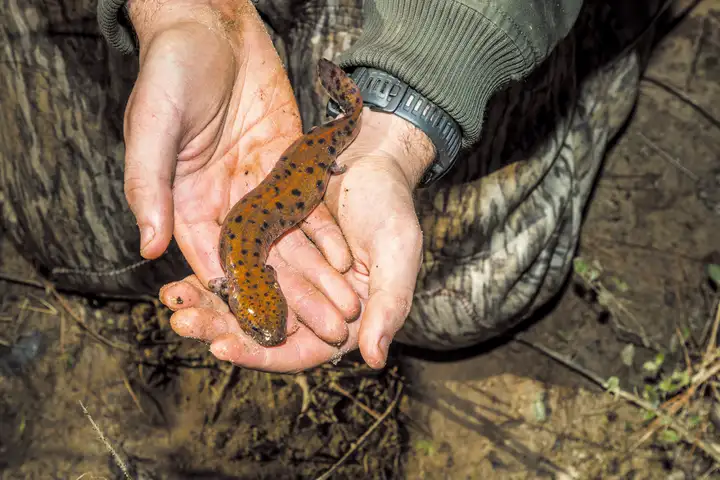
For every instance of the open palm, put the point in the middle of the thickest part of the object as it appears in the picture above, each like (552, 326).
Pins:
(386, 249)
(210, 114)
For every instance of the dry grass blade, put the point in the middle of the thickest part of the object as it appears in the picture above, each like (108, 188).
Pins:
(79, 321)
(707, 371)
(357, 402)
(365, 435)
(44, 285)
(112, 451)
(711, 450)
(667, 156)
(225, 386)
(683, 97)
(21, 281)
(712, 341)
(128, 387)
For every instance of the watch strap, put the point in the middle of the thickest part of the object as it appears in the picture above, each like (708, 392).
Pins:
(385, 93)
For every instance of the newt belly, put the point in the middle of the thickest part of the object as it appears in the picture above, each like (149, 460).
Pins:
(292, 189)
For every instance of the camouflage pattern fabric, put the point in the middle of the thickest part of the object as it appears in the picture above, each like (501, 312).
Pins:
(500, 231)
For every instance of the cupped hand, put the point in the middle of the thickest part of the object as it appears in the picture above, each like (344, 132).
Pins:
(373, 204)
(211, 112)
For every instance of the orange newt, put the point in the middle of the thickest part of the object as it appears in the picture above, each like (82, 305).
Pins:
(292, 189)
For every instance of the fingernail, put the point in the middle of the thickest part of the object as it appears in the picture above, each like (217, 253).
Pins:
(147, 233)
(383, 346)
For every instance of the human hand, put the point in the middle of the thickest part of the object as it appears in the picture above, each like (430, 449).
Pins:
(373, 204)
(211, 112)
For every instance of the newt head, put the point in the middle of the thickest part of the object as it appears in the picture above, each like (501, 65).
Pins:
(261, 314)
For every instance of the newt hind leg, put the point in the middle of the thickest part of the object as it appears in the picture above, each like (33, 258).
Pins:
(219, 286)
(337, 169)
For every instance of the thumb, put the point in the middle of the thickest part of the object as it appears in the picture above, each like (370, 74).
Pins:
(396, 256)
(153, 126)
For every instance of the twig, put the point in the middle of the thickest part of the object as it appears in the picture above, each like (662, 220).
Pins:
(271, 393)
(80, 322)
(357, 402)
(684, 97)
(710, 449)
(712, 341)
(130, 390)
(364, 436)
(48, 310)
(709, 472)
(673, 405)
(667, 156)
(112, 451)
(9, 277)
(686, 354)
(707, 328)
(705, 375)
(302, 382)
(697, 45)
(62, 332)
(44, 285)
(615, 307)
(20, 318)
(565, 361)
(224, 387)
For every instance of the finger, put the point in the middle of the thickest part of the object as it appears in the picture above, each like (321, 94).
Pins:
(303, 298)
(189, 293)
(313, 308)
(204, 324)
(323, 230)
(200, 314)
(301, 255)
(199, 243)
(152, 135)
(396, 257)
(300, 351)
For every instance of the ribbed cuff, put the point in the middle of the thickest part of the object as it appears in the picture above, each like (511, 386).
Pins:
(454, 55)
(115, 25)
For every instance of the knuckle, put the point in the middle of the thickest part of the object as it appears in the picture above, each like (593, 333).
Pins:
(398, 304)
(317, 226)
(152, 109)
(403, 303)
(406, 235)
(135, 187)
(293, 241)
(299, 363)
(306, 295)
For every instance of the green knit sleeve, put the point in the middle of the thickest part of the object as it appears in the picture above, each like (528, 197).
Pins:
(457, 53)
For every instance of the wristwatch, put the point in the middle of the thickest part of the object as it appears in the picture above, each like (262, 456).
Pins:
(383, 92)
(115, 25)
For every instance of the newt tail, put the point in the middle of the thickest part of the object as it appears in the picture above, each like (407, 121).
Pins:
(287, 195)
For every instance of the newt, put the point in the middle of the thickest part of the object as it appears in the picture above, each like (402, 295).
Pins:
(286, 196)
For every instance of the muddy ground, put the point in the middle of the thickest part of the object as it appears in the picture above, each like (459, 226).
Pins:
(98, 374)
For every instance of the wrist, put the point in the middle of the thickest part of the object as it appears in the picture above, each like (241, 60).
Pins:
(149, 17)
(409, 146)
(383, 92)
